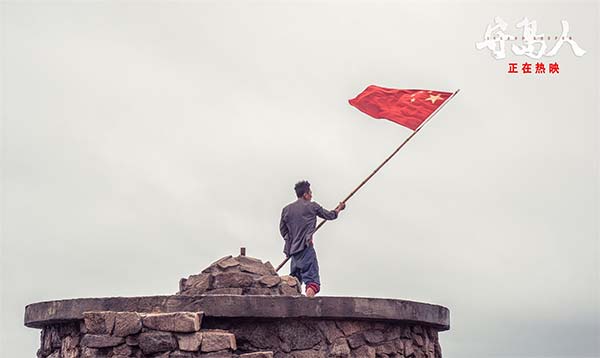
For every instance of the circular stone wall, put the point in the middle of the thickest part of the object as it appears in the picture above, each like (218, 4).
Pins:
(237, 307)
(237, 325)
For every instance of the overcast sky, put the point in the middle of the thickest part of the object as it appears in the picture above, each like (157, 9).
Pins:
(141, 142)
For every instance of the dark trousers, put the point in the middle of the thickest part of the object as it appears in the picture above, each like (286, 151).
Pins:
(305, 266)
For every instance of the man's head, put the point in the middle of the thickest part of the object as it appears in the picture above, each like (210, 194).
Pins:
(302, 189)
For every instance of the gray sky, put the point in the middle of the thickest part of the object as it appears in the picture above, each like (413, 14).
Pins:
(140, 142)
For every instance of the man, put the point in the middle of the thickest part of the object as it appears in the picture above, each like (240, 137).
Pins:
(297, 225)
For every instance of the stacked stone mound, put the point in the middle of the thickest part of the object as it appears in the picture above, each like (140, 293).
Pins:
(241, 275)
(131, 334)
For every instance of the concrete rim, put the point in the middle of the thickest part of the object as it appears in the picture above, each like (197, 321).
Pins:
(38, 315)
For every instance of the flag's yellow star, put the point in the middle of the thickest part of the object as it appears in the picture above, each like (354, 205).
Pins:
(412, 99)
(433, 98)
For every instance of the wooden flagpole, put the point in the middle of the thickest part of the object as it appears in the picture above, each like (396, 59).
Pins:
(381, 165)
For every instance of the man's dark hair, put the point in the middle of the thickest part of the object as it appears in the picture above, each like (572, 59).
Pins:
(301, 188)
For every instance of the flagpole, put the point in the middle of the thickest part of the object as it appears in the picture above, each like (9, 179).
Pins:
(381, 165)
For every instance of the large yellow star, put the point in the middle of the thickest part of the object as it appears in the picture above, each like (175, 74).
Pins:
(433, 98)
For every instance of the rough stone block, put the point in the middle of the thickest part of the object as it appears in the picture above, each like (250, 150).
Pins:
(159, 355)
(196, 284)
(214, 267)
(216, 341)
(257, 355)
(257, 269)
(228, 263)
(173, 322)
(248, 260)
(253, 336)
(385, 348)
(180, 354)
(405, 332)
(290, 280)
(432, 333)
(261, 291)
(356, 340)
(288, 290)
(270, 267)
(429, 345)
(233, 279)
(409, 349)
(438, 350)
(339, 348)
(374, 336)
(419, 340)
(399, 345)
(221, 354)
(189, 342)
(226, 291)
(127, 323)
(182, 284)
(50, 341)
(269, 280)
(69, 347)
(299, 335)
(87, 352)
(101, 341)
(364, 352)
(308, 354)
(330, 331)
(99, 322)
(350, 327)
(392, 333)
(132, 340)
(122, 350)
(154, 342)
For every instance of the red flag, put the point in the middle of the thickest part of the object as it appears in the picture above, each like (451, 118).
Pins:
(408, 107)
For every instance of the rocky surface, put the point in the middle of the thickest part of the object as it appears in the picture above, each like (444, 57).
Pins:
(238, 307)
(167, 337)
(164, 335)
(241, 275)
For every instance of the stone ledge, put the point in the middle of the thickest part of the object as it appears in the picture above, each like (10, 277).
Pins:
(38, 315)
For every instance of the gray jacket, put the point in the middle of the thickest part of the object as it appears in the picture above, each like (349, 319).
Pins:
(298, 222)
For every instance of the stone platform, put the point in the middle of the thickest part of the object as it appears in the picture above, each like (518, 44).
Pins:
(201, 321)
(39, 315)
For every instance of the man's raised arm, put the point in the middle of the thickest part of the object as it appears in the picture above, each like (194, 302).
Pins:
(328, 214)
